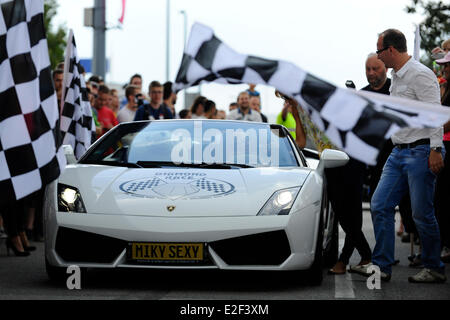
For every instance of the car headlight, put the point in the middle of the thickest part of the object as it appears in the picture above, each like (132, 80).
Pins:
(280, 202)
(69, 199)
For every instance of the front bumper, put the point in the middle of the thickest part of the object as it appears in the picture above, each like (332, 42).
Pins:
(288, 240)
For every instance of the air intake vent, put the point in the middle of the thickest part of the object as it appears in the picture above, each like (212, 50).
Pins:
(79, 246)
(268, 248)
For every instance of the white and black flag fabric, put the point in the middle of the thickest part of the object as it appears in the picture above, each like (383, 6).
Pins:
(356, 122)
(77, 123)
(30, 143)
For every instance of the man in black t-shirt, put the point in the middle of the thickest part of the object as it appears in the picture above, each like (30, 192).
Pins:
(378, 82)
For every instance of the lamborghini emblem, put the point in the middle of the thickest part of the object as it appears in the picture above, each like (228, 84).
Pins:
(170, 208)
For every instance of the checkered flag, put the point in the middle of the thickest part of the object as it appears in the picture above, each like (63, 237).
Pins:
(77, 123)
(30, 145)
(356, 122)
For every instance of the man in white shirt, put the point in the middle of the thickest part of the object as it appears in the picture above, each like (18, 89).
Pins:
(244, 112)
(413, 164)
(127, 113)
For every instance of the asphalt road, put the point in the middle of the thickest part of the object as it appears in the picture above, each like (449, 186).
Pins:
(25, 278)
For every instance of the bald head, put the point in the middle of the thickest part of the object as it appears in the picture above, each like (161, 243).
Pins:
(375, 71)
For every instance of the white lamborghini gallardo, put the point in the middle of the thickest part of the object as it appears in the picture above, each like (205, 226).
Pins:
(192, 194)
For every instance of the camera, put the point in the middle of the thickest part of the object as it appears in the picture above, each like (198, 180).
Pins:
(350, 84)
(138, 99)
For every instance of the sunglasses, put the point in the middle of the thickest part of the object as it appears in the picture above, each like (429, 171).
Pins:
(381, 50)
(94, 84)
(278, 94)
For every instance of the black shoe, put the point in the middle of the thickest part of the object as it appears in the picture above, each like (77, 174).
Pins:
(17, 253)
(29, 248)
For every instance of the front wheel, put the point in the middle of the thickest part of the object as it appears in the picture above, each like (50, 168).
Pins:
(315, 272)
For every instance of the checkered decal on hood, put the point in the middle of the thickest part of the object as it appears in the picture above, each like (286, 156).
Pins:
(155, 187)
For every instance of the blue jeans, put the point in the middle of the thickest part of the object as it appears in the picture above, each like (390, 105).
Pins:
(406, 169)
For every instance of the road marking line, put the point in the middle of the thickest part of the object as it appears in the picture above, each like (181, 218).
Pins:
(343, 287)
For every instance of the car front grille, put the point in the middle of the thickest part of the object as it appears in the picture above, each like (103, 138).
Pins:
(268, 248)
(80, 246)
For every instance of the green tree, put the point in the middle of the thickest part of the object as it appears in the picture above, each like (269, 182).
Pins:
(435, 28)
(56, 39)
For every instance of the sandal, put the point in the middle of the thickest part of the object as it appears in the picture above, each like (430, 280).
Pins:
(333, 271)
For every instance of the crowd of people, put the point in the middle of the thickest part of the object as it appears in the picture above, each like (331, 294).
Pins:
(412, 171)
(159, 103)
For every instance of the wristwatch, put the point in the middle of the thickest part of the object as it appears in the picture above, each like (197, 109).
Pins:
(437, 149)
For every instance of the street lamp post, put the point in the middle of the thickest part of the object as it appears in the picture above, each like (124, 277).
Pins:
(184, 47)
(98, 63)
(167, 39)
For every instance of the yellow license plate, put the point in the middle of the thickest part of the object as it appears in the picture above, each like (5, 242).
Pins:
(151, 251)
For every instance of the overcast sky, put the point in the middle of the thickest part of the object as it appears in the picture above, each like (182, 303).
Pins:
(328, 38)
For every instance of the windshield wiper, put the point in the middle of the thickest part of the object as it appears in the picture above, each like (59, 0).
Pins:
(241, 165)
(203, 165)
(160, 164)
(223, 165)
(155, 164)
(113, 163)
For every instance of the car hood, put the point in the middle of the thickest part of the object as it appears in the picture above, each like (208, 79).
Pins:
(178, 191)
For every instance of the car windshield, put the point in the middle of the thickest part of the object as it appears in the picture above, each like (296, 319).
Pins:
(207, 144)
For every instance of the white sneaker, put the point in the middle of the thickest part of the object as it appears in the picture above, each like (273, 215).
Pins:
(364, 271)
(428, 276)
(360, 268)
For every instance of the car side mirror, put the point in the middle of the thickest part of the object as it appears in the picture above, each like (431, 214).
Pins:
(331, 159)
(68, 152)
